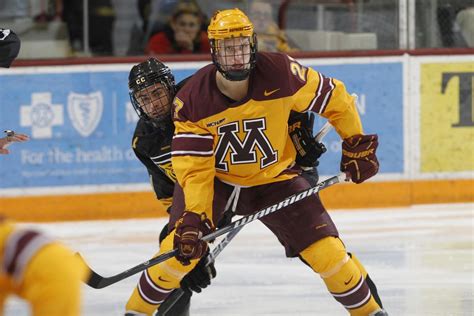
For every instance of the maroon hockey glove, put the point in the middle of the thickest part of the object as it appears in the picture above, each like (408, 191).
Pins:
(190, 228)
(358, 157)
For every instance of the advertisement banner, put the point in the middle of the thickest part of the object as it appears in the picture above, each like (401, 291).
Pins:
(81, 123)
(379, 88)
(80, 126)
(446, 117)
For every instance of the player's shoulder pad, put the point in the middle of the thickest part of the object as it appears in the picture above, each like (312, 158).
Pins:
(199, 97)
(278, 71)
(181, 84)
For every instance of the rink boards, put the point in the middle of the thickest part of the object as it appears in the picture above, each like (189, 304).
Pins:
(79, 163)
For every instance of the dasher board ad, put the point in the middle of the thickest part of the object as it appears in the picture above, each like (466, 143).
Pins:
(81, 123)
(446, 117)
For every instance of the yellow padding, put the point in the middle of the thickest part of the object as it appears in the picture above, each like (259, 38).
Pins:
(82, 207)
(326, 256)
(359, 265)
(170, 270)
(167, 275)
(398, 193)
(144, 204)
(340, 273)
(52, 282)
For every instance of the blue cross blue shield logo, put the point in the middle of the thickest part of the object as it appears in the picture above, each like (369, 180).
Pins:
(85, 111)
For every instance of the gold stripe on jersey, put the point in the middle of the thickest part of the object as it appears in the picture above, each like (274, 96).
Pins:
(134, 142)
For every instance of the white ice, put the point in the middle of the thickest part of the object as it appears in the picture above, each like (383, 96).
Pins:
(421, 259)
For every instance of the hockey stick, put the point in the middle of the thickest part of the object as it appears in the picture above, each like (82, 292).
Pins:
(97, 281)
(174, 297)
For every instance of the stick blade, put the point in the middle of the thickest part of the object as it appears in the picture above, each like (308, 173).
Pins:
(92, 279)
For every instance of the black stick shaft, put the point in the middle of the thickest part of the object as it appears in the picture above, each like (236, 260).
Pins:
(277, 206)
(97, 281)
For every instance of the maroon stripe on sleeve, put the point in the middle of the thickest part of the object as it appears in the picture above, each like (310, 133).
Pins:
(323, 94)
(21, 244)
(327, 97)
(192, 145)
(190, 153)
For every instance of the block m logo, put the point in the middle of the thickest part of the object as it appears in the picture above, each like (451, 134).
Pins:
(244, 152)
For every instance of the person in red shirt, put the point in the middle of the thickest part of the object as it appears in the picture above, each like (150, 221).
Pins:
(182, 35)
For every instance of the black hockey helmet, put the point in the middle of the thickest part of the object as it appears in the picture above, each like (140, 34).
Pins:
(152, 88)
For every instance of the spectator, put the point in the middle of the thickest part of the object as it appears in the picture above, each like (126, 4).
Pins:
(51, 10)
(16, 15)
(136, 44)
(465, 20)
(101, 23)
(161, 11)
(270, 37)
(182, 34)
(451, 32)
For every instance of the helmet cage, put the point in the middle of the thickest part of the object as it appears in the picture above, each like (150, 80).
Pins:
(153, 103)
(143, 84)
(225, 69)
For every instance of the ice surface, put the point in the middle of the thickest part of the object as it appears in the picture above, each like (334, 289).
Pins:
(421, 259)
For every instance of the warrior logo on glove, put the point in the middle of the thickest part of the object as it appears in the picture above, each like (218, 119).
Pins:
(358, 157)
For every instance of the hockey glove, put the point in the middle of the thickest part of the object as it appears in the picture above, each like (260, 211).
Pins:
(358, 157)
(199, 277)
(301, 133)
(190, 228)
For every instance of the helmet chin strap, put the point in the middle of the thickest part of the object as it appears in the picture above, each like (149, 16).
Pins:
(163, 124)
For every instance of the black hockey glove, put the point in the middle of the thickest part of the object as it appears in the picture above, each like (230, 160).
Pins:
(199, 277)
(301, 133)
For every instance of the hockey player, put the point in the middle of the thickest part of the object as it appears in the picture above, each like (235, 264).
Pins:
(34, 267)
(152, 88)
(39, 270)
(231, 133)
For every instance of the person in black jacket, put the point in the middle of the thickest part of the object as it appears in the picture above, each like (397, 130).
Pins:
(9, 47)
(152, 88)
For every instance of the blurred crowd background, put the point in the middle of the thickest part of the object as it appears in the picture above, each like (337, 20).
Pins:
(68, 28)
